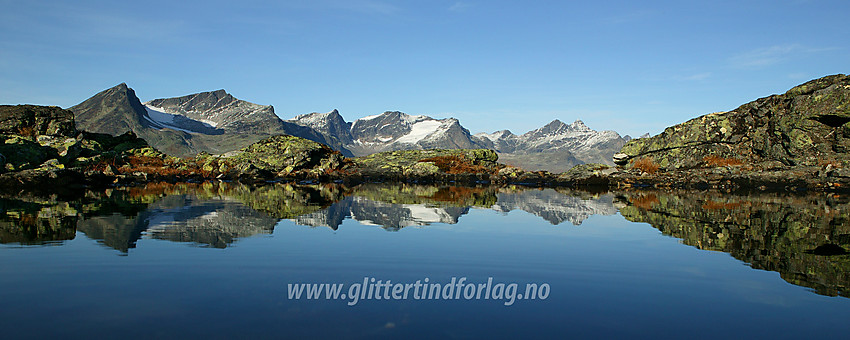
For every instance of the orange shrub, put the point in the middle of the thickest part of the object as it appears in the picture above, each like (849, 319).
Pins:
(646, 164)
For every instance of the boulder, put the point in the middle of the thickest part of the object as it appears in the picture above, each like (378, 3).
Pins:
(284, 155)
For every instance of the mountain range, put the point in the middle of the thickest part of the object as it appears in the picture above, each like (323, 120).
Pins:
(555, 147)
(216, 122)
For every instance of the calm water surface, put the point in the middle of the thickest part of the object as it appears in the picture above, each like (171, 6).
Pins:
(216, 260)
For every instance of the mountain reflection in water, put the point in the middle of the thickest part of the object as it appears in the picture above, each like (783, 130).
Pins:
(805, 238)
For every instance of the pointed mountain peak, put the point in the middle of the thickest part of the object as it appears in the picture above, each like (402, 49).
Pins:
(393, 114)
(117, 91)
(120, 88)
(555, 123)
(311, 119)
(501, 133)
(579, 125)
(115, 110)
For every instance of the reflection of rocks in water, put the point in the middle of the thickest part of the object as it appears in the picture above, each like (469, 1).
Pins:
(213, 214)
(555, 207)
(35, 224)
(287, 200)
(804, 238)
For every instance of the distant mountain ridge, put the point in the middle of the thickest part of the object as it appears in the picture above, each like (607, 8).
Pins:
(216, 122)
(389, 131)
(554, 147)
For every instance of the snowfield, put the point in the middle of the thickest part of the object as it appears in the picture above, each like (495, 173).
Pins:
(161, 119)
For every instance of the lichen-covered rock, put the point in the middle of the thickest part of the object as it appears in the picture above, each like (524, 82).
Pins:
(398, 164)
(23, 153)
(806, 126)
(285, 155)
(32, 120)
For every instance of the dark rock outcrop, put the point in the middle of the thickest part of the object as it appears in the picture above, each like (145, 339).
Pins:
(799, 139)
(32, 120)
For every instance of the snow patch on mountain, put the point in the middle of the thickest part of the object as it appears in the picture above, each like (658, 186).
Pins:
(419, 131)
(312, 119)
(161, 119)
(495, 136)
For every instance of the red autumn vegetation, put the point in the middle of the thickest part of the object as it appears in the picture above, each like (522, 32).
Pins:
(455, 165)
(27, 131)
(647, 165)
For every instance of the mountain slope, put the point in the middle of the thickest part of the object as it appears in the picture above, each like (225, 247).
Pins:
(333, 128)
(220, 110)
(117, 110)
(113, 111)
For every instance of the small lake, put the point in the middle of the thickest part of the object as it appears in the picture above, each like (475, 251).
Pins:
(224, 260)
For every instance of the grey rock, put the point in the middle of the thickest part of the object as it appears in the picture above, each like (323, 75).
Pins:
(621, 159)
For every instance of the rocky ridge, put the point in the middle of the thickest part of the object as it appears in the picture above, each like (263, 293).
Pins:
(796, 140)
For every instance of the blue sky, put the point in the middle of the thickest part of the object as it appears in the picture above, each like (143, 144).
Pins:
(630, 66)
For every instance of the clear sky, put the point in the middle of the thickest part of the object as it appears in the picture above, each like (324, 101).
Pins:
(630, 66)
